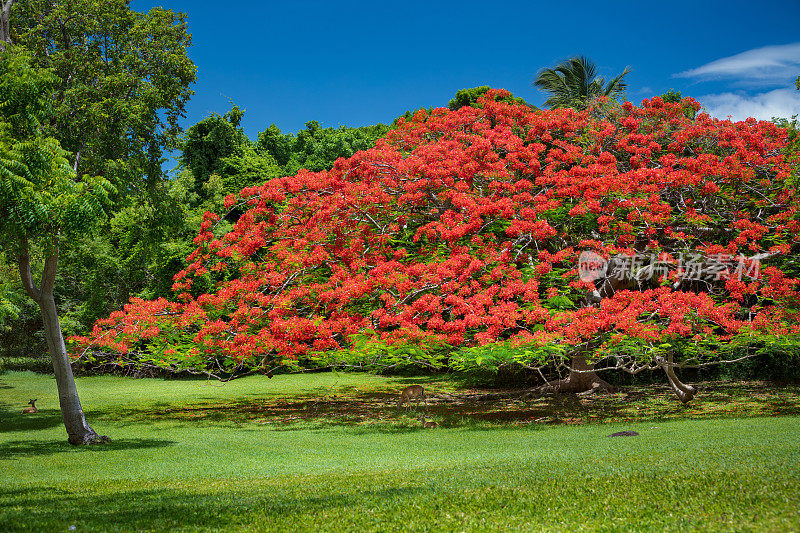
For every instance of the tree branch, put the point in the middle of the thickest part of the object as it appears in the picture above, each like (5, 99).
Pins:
(24, 263)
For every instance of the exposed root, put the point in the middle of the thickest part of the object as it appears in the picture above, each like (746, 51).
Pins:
(88, 438)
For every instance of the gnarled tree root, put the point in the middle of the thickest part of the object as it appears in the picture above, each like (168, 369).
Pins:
(684, 392)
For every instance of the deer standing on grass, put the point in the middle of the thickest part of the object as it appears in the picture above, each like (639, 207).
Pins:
(412, 392)
(32, 408)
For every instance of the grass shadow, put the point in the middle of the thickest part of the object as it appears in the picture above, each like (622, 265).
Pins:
(356, 407)
(27, 448)
(16, 421)
(169, 509)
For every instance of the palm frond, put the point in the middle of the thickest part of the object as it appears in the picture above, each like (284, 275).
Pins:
(574, 83)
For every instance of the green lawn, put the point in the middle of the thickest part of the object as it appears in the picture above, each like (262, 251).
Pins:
(330, 452)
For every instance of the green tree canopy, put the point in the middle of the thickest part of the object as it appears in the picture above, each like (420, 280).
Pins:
(123, 84)
(469, 97)
(316, 148)
(40, 197)
(208, 143)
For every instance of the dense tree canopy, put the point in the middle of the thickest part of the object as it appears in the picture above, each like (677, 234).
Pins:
(469, 97)
(467, 228)
(316, 148)
(121, 82)
(124, 81)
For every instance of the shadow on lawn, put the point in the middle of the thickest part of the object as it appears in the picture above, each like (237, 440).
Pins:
(16, 421)
(167, 509)
(27, 448)
(377, 411)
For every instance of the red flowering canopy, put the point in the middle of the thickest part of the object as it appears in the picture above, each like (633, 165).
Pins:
(466, 228)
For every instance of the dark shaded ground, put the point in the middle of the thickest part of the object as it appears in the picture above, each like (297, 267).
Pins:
(476, 406)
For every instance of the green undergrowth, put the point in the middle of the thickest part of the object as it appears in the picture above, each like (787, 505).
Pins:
(190, 455)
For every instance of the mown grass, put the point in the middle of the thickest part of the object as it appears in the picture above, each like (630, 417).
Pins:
(191, 455)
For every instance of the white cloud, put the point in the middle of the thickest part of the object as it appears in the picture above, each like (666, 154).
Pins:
(768, 65)
(763, 106)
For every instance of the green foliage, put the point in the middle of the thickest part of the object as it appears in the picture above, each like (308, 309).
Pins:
(7, 307)
(271, 141)
(316, 148)
(42, 201)
(498, 355)
(768, 357)
(574, 83)
(671, 97)
(40, 196)
(469, 97)
(218, 146)
(26, 363)
(245, 168)
(111, 88)
(20, 320)
(124, 81)
(368, 351)
(208, 143)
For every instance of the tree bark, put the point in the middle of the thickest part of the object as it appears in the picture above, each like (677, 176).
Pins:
(5, 26)
(78, 429)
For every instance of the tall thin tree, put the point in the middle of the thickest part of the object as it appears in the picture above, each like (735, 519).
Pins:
(42, 202)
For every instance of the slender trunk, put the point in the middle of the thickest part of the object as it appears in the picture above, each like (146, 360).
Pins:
(5, 27)
(78, 430)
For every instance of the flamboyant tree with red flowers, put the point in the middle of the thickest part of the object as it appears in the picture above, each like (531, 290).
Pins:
(467, 230)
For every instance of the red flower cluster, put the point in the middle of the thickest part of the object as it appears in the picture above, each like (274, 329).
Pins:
(465, 227)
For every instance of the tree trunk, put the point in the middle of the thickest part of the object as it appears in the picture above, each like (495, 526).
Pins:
(5, 26)
(684, 392)
(78, 430)
(582, 378)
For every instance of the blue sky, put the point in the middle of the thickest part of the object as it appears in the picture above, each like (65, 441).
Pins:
(359, 63)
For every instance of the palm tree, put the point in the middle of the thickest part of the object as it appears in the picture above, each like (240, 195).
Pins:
(573, 83)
